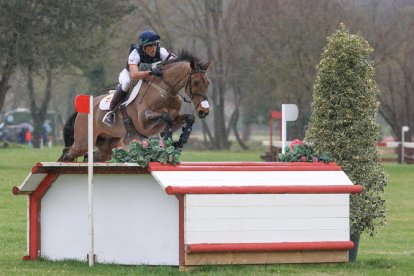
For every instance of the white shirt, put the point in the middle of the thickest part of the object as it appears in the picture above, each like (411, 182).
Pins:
(134, 58)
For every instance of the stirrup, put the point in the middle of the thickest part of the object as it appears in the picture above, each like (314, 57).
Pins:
(109, 118)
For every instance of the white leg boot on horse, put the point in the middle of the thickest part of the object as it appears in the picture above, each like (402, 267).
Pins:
(188, 120)
(109, 118)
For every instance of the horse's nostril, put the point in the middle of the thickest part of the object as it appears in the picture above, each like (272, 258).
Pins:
(202, 114)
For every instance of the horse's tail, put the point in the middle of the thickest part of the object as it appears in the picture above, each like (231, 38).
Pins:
(69, 130)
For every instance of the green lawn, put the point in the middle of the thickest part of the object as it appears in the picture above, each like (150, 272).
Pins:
(390, 252)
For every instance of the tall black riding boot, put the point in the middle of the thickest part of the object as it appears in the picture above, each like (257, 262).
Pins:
(109, 118)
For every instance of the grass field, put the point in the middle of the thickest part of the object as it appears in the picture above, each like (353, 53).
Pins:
(390, 252)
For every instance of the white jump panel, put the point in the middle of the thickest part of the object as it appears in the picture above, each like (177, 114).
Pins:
(189, 213)
(274, 218)
(135, 221)
(266, 236)
(248, 200)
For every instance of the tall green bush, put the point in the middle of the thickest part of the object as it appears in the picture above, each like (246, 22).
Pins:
(343, 123)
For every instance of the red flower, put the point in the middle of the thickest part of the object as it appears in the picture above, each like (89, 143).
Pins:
(145, 144)
(303, 159)
(295, 142)
(162, 145)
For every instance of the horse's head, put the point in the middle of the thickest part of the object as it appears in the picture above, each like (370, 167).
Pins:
(196, 88)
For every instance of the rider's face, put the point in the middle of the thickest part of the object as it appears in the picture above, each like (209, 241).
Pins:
(151, 49)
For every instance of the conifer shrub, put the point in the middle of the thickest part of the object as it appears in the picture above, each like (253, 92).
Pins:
(343, 123)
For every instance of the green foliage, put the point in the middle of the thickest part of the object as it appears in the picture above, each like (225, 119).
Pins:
(143, 152)
(56, 33)
(343, 123)
(299, 151)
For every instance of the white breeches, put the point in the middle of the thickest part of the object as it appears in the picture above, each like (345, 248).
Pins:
(125, 79)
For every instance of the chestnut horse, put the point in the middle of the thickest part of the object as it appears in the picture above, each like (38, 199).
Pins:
(155, 110)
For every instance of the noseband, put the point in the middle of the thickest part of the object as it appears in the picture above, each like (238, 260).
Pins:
(189, 85)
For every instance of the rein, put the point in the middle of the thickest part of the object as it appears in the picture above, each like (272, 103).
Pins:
(188, 85)
(191, 94)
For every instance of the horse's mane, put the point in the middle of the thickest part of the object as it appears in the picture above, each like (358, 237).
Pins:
(185, 55)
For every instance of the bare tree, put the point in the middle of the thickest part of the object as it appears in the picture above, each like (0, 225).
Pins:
(388, 25)
(42, 39)
(203, 26)
(395, 70)
(265, 53)
(9, 38)
(286, 40)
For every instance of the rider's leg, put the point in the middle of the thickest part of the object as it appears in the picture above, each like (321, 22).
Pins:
(124, 82)
(109, 118)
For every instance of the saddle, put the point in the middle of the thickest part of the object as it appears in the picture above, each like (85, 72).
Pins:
(131, 132)
(104, 103)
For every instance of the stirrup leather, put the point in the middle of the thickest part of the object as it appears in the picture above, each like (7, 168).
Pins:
(109, 118)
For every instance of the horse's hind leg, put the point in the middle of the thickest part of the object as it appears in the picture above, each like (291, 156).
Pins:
(104, 152)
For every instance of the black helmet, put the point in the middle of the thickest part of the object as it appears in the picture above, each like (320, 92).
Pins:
(148, 37)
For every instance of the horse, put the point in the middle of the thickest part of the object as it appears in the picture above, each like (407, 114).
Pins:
(155, 111)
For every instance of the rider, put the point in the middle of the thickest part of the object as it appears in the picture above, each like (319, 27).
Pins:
(142, 60)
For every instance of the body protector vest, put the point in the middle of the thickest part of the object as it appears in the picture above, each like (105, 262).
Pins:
(146, 62)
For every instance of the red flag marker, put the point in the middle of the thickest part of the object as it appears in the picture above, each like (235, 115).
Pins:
(82, 103)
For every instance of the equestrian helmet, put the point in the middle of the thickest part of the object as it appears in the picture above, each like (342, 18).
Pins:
(148, 37)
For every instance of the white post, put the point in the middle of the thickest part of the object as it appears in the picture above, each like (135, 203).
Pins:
(289, 113)
(404, 129)
(90, 181)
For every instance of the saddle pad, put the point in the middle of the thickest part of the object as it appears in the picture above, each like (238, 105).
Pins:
(106, 101)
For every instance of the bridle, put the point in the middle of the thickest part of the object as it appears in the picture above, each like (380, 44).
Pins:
(189, 86)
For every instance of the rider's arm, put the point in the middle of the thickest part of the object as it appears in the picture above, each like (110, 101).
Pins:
(133, 61)
(136, 74)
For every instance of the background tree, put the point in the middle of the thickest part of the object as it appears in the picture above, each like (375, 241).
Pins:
(264, 53)
(203, 27)
(343, 123)
(50, 35)
(394, 40)
(286, 38)
(10, 22)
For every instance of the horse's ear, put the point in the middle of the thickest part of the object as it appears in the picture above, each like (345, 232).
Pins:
(205, 66)
(192, 64)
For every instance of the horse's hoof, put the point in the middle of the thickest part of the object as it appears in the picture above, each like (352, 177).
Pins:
(178, 145)
(64, 159)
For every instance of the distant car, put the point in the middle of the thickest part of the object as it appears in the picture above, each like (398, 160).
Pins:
(20, 119)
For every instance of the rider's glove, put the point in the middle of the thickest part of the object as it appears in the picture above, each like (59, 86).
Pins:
(156, 72)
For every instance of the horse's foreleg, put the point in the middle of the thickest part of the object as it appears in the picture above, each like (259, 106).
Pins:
(188, 119)
(168, 130)
(152, 119)
(64, 156)
(71, 153)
